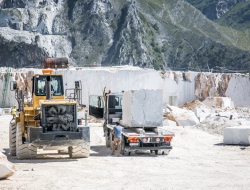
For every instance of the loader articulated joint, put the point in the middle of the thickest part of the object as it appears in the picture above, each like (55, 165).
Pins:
(37, 117)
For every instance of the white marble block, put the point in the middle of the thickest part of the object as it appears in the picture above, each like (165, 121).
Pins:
(184, 117)
(236, 135)
(142, 108)
(202, 112)
(7, 169)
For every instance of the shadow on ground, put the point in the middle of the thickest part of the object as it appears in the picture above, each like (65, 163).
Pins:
(41, 158)
(242, 147)
(100, 151)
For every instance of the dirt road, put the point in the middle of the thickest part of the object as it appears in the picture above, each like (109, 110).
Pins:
(198, 161)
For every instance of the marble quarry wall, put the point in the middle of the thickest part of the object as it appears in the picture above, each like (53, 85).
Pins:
(178, 87)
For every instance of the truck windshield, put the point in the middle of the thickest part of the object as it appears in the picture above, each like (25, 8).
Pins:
(56, 85)
(115, 101)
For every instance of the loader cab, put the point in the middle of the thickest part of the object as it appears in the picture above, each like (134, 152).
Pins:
(39, 87)
(56, 85)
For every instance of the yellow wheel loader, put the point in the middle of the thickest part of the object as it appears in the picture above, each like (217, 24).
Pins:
(49, 121)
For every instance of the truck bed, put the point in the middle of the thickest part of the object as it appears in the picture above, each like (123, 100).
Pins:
(152, 139)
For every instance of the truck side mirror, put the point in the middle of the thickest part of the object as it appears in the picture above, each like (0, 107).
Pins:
(13, 85)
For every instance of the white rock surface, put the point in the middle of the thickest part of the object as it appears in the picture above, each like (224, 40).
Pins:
(167, 122)
(142, 108)
(202, 112)
(228, 114)
(176, 91)
(237, 135)
(184, 117)
(223, 102)
(7, 169)
(238, 89)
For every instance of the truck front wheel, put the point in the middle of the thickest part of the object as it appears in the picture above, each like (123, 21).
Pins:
(107, 139)
(123, 146)
(110, 140)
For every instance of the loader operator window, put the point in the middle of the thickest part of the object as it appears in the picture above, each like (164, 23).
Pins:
(56, 85)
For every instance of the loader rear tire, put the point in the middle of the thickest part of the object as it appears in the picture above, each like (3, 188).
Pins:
(79, 151)
(12, 138)
(24, 151)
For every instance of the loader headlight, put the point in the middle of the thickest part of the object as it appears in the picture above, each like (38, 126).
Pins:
(38, 108)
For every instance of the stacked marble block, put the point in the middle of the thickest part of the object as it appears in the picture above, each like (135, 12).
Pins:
(142, 108)
(239, 135)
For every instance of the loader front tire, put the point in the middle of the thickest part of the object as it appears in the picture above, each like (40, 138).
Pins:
(12, 138)
(24, 151)
(79, 151)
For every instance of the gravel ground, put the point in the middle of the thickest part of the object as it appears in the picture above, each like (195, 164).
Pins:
(198, 160)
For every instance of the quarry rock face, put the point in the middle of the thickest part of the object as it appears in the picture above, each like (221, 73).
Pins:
(237, 135)
(116, 32)
(214, 10)
(223, 102)
(142, 108)
(177, 88)
(7, 169)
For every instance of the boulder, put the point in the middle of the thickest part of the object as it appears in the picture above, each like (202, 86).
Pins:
(168, 122)
(238, 135)
(184, 117)
(7, 169)
(202, 112)
(142, 108)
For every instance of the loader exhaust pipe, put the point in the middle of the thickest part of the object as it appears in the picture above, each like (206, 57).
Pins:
(48, 88)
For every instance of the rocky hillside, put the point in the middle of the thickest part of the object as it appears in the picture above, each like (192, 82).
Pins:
(238, 17)
(214, 9)
(231, 13)
(149, 33)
